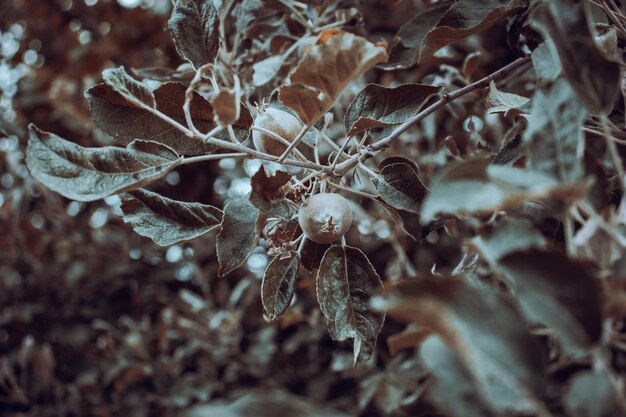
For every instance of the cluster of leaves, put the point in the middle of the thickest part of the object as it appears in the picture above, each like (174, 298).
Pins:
(494, 167)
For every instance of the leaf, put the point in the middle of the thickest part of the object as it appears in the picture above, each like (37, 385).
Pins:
(325, 70)
(346, 281)
(87, 174)
(546, 63)
(265, 186)
(132, 90)
(266, 70)
(400, 187)
(483, 328)
(167, 221)
(312, 254)
(452, 388)
(125, 121)
(554, 135)
(558, 292)
(378, 106)
(594, 394)
(279, 285)
(465, 18)
(501, 102)
(511, 149)
(408, 338)
(227, 106)
(239, 234)
(262, 403)
(565, 26)
(404, 51)
(194, 25)
(510, 235)
(473, 188)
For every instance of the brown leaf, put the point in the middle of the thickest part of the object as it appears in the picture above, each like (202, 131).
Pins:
(325, 70)
(126, 121)
(265, 186)
(465, 18)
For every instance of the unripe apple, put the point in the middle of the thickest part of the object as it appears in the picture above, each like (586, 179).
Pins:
(325, 217)
(279, 122)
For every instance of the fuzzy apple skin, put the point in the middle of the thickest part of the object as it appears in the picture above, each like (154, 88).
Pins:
(325, 217)
(279, 122)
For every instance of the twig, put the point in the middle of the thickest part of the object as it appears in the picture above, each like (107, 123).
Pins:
(278, 138)
(350, 190)
(617, 161)
(213, 157)
(445, 99)
(295, 143)
(381, 144)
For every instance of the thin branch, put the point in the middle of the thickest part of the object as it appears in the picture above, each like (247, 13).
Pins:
(295, 143)
(278, 138)
(213, 157)
(445, 99)
(350, 190)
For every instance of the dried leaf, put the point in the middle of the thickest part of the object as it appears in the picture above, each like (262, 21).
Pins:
(405, 50)
(325, 70)
(378, 106)
(465, 18)
(346, 281)
(265, 186)
(87, 174)
(194, 25)
(167, 221)
(279, 285)
(239, 234)
(408, 338)
(227, 106)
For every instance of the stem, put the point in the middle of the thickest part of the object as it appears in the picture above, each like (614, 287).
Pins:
(617, 161)
(445, 99)
(278, 138)
(350, 190)
(295, 143)
(213, 157)
(612, 232)
(402, 256)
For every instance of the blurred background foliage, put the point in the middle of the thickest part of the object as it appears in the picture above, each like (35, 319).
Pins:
(96, 320)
